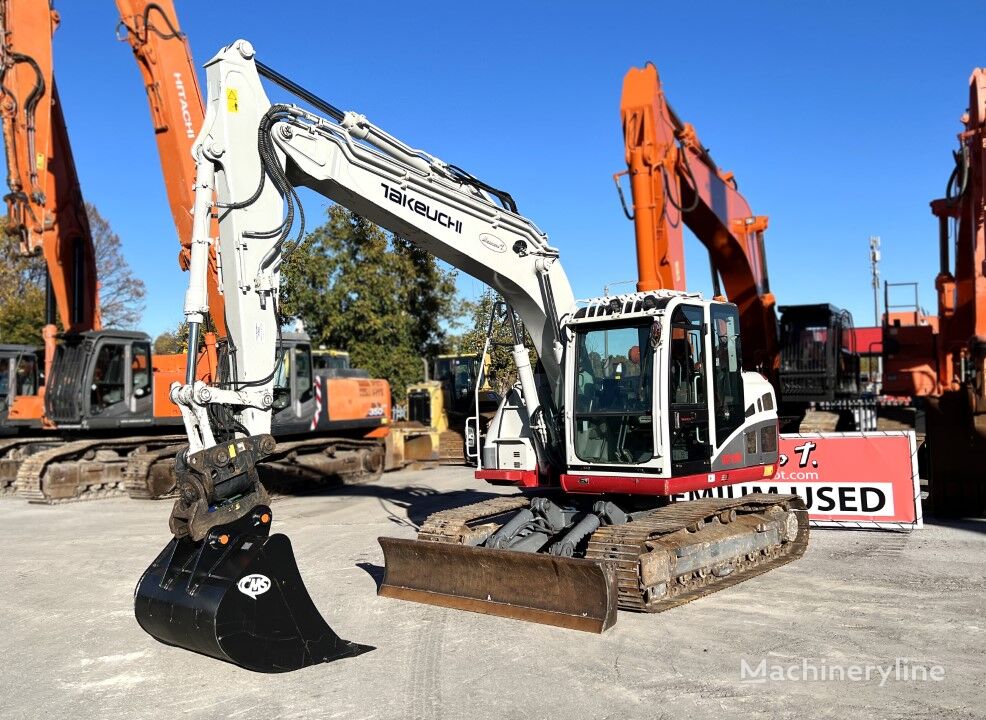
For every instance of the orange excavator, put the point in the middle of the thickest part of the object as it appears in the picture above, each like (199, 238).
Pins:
(77, 439)
(674, 183)
(944, 362)
(98, 383)
(331, 424)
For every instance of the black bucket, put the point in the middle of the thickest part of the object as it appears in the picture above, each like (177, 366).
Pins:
(237, 596)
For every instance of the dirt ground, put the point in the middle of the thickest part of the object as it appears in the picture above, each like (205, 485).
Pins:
(905, 606)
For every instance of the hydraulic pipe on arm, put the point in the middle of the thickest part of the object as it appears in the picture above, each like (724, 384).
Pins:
(45, 208)
(674, 181)
(164, 57)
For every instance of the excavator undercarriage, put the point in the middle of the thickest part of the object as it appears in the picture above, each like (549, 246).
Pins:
(573, 565)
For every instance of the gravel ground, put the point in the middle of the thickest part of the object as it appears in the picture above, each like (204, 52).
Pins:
(906, 603)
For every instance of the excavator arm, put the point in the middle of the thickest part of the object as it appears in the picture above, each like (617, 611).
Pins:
(45, 208)
(349, 160)
(251, 156)
(674, 182)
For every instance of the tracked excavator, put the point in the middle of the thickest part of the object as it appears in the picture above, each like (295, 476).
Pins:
(944, 363)
(632, 398)
(675, 183)
(335, 425)
(75, 434)
(94, 380)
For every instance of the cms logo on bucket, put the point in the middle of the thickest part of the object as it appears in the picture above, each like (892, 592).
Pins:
(254, 585)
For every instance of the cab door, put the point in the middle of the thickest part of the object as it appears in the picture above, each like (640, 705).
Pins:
(688, 402)
(141, 379)
(294, 397)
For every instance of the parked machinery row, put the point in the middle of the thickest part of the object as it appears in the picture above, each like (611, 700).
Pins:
(99, 419)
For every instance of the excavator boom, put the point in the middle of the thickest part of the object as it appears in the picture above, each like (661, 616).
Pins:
(45, 208)
(673, 178)
(164, 57)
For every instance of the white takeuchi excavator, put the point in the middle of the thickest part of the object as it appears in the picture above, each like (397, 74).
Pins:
(632, 399)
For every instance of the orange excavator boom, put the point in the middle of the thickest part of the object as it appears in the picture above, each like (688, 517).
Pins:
(164, 56)
(45, 208)
(675, 182)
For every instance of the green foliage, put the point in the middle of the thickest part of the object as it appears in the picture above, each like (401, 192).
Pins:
(355, 288)
(22, 294)
(502, 372)
(172, 342)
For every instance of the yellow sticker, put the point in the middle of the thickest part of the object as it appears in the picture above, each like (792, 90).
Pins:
(39, 161)
(232, 101)
(768, 470)
(232, 451)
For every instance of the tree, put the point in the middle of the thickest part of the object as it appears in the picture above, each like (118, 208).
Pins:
(121, 295)
(172, 342)
(356, 288)
(502, 371)
(22, 294)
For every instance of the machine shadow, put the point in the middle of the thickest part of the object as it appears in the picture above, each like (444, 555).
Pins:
(374, 571)
(970, 524)
(417, 501)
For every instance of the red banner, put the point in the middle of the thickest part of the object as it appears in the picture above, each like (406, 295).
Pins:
(846, 479)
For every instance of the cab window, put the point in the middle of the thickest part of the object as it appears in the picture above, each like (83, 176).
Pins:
(140, 370)
(613, 395)
(4, 378)
(27, 375)
(303, 373)
(108, 378)
(688, 380)
(727, 379)
(282, 380)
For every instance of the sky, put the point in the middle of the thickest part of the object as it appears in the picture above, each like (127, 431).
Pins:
(837, 118)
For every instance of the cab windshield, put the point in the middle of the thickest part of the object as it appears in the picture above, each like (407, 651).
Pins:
(327, 361)
(614, 395)
(459, 373)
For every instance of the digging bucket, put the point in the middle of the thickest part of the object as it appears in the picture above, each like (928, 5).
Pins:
(237, 596)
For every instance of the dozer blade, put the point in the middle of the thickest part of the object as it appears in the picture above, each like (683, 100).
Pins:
(237, 596)
(566, 592)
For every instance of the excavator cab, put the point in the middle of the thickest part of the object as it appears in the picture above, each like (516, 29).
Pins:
(101, 379)
(19, 380)
(819, 361)
(657, 386)
(294, 395)
(654, 403)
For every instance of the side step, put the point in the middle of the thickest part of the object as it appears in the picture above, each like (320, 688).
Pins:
(523, 586)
